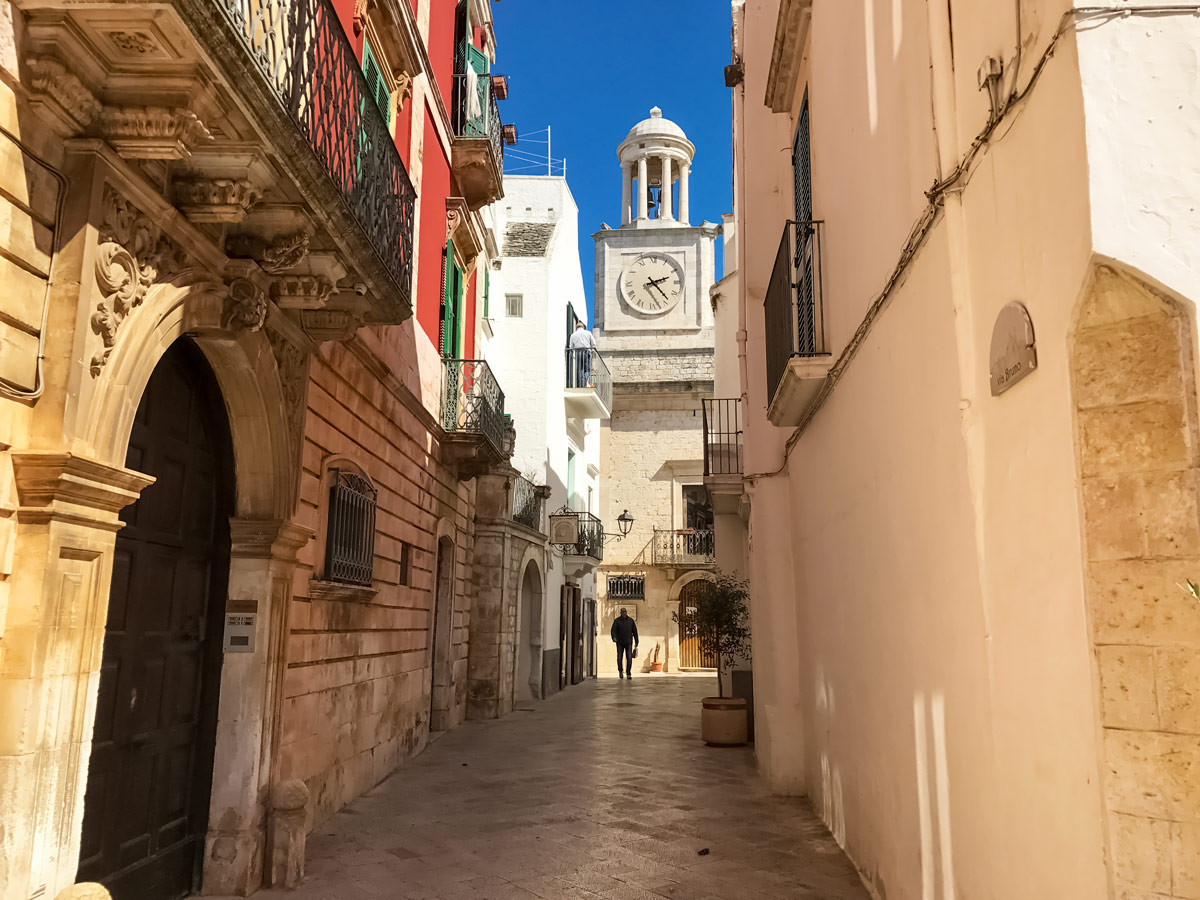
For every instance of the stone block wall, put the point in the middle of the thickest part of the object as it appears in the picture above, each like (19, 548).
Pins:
(1135, 396)
(356, 692)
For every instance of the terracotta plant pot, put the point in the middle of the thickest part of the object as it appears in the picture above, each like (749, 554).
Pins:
(655, 667)
(723, 721)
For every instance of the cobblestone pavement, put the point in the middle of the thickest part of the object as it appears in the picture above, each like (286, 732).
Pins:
(603, 791)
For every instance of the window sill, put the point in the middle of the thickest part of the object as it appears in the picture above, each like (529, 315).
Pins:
(338, 590)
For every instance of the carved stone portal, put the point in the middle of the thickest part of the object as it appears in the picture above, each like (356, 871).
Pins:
(133, 255)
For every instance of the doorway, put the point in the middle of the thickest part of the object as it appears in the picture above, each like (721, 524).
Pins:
(150, 769)
(691, 654)
(441, 691)
(528, 642)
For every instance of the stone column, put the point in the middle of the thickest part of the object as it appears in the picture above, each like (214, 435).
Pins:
(684, 169)
(66, 523)
(626, 192)
(643, 190)
(664, 206)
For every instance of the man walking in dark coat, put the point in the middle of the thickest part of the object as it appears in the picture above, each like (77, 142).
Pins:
(625, 636)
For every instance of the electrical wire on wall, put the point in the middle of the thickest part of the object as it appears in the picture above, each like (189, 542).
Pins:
(8, 388)
(957, 180)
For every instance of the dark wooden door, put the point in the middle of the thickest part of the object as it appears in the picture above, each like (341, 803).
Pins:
(576, 635)
(150, 771)
(691, 655)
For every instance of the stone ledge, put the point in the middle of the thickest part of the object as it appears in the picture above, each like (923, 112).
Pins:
(319, 589)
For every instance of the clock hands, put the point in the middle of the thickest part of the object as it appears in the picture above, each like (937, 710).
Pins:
(655, 282)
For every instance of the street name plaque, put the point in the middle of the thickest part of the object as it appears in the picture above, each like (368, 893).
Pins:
(1014, 353)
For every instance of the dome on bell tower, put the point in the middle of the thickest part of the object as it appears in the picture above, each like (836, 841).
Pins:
(656, 159)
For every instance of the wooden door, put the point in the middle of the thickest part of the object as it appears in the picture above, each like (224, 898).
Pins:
(576, 635)
(691, 656)
(150, 771)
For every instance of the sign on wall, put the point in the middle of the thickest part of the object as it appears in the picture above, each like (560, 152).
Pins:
(239, 632)
(1013, 354)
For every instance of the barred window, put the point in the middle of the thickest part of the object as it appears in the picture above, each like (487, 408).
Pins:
(350, 528)
(627, 587)
(405, 563)
(516, 305)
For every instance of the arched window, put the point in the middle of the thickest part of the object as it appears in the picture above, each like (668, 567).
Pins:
(349, 525)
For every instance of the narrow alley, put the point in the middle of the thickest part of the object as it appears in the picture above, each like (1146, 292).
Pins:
(605, 791)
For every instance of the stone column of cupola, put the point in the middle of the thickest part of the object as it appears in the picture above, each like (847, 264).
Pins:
(626, 192)
(643, 190)
(684, 169)
(664, 204)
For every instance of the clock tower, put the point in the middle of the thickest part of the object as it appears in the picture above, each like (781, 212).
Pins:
(654, 330)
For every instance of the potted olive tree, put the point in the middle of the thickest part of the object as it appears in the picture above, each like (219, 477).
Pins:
(721, 625)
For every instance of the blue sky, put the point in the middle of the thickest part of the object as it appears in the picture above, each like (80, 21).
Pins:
(592, 70)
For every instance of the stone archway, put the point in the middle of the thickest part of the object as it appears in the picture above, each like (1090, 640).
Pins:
(528, 678)
(1134, 393)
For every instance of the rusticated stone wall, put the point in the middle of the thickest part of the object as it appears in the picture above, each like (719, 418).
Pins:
(1135, 396)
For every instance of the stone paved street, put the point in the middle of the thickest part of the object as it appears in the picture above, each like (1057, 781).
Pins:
(602, 791)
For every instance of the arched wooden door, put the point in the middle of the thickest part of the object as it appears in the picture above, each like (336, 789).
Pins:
(691, 656)
(150, 770)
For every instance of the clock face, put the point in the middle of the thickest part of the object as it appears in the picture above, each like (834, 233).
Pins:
(652, 283)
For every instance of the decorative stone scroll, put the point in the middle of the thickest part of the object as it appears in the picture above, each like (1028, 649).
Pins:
(132, 256)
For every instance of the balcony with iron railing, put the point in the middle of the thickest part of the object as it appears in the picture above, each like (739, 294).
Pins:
(477, 145)
(478, 432)
(299, 53)
(589, 388)
(591, 539)
(528, 503)
(798, 360)
(684, 547)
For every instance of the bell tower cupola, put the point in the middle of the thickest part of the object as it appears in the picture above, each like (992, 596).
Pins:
(656, 158)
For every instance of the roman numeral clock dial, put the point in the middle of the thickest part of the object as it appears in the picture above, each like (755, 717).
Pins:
(652, 284)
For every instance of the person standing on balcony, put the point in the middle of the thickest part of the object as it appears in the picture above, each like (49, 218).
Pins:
(581, 344)
(625, 636)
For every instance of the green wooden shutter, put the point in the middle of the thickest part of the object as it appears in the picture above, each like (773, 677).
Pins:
(487, 290)
(451, 318)
(376, 83)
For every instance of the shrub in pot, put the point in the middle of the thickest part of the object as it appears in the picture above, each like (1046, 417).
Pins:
(721, 625)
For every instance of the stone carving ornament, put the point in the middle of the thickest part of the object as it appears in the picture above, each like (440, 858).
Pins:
(54, 80)
(132, 256)
(286, 251)
(216, 199)
(246, 306)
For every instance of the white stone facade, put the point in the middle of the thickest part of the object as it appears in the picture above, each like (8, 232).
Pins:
(539, 262)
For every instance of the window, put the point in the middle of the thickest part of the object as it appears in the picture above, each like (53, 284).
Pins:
(627, 587)
(572, 497)
(451, 313)
(698, 510)
(802, 167)
(350, 528)
(376, 82)
(516, 305)
(405, 577)
(487, 290)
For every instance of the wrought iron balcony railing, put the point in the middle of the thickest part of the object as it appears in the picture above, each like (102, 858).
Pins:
(793, 309)
(626, 587)
(528, 503)
(474, 403)
(586, 368)
(722, 437)
(301, 49)
(476, 113)
(683, 548)
(591, 537)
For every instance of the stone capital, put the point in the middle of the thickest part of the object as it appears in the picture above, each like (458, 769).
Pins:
(268, 538)
(225, 200)
(63, 486)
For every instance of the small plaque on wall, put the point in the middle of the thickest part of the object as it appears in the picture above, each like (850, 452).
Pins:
(1014, 353)
(239, 632)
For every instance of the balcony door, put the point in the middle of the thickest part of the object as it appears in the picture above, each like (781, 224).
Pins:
(450, 325)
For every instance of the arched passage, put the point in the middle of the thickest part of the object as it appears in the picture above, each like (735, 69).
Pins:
(150, 769)
(529, 636)
(260, 542)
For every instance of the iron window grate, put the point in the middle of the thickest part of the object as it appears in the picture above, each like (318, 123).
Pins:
(350, 533)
